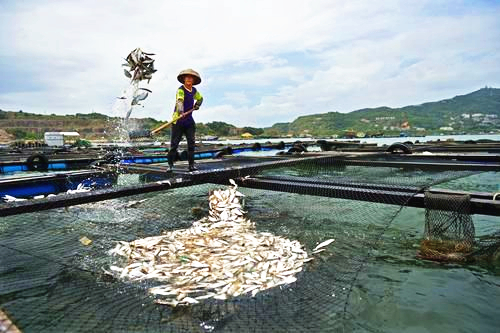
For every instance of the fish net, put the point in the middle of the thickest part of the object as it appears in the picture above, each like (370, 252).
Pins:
(55, 264)
(449, 231)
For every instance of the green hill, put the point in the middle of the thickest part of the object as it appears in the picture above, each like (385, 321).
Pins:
(476, 112)
(25, 125)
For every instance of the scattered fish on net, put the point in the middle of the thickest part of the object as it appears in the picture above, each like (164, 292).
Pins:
(219, 256)
(82, 187)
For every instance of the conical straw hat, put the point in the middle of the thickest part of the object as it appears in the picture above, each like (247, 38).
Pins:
(193, 73)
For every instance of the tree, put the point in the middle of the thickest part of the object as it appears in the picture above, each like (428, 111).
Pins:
(252, 130)
(219, 128)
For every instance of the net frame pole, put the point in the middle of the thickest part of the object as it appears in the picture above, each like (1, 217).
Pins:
(479, 205)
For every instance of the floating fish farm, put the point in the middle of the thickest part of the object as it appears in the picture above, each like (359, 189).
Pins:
(318, 237)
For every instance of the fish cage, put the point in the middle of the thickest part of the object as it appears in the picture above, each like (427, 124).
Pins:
(58, 159)
(303, 243)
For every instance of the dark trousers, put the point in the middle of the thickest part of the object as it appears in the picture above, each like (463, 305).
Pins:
(177, 132)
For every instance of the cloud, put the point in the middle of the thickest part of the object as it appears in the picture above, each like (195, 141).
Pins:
(238, 98)
(261, 62)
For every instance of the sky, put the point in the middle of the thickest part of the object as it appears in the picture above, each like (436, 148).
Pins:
(261, 61)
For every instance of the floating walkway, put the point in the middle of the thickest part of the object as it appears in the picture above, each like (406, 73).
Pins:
(412, 147)
(28, 187)
(246, 171)
(54, 160)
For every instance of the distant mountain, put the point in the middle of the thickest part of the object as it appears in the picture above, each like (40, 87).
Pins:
(24, 125)
(476, 112)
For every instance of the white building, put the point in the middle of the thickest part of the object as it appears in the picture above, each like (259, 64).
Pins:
(59, 139)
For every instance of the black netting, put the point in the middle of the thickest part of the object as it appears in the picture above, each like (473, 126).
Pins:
(51, 280)
(449, 230)
(487, 249)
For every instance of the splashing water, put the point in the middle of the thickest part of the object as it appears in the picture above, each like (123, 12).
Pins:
(122, 108)
(140, 68)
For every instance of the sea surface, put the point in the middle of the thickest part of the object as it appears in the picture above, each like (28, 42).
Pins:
(369, 279)
(379, 141)
(397, 292)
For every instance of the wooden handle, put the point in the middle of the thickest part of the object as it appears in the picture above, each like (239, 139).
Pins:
(156, 130)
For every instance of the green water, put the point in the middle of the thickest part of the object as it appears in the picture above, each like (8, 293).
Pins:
(398, 293)
(369, 280)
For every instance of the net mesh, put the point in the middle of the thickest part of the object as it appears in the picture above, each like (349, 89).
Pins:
(50, 281)
(449, 231)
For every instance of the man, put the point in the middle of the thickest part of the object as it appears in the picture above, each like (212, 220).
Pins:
(187, 99)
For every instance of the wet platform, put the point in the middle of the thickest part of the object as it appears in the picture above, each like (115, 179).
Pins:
(476, 162)
(248, 171)
(44, 184)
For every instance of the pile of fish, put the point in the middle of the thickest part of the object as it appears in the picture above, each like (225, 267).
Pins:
(6, 325)
(140, 66)
(219, 256)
